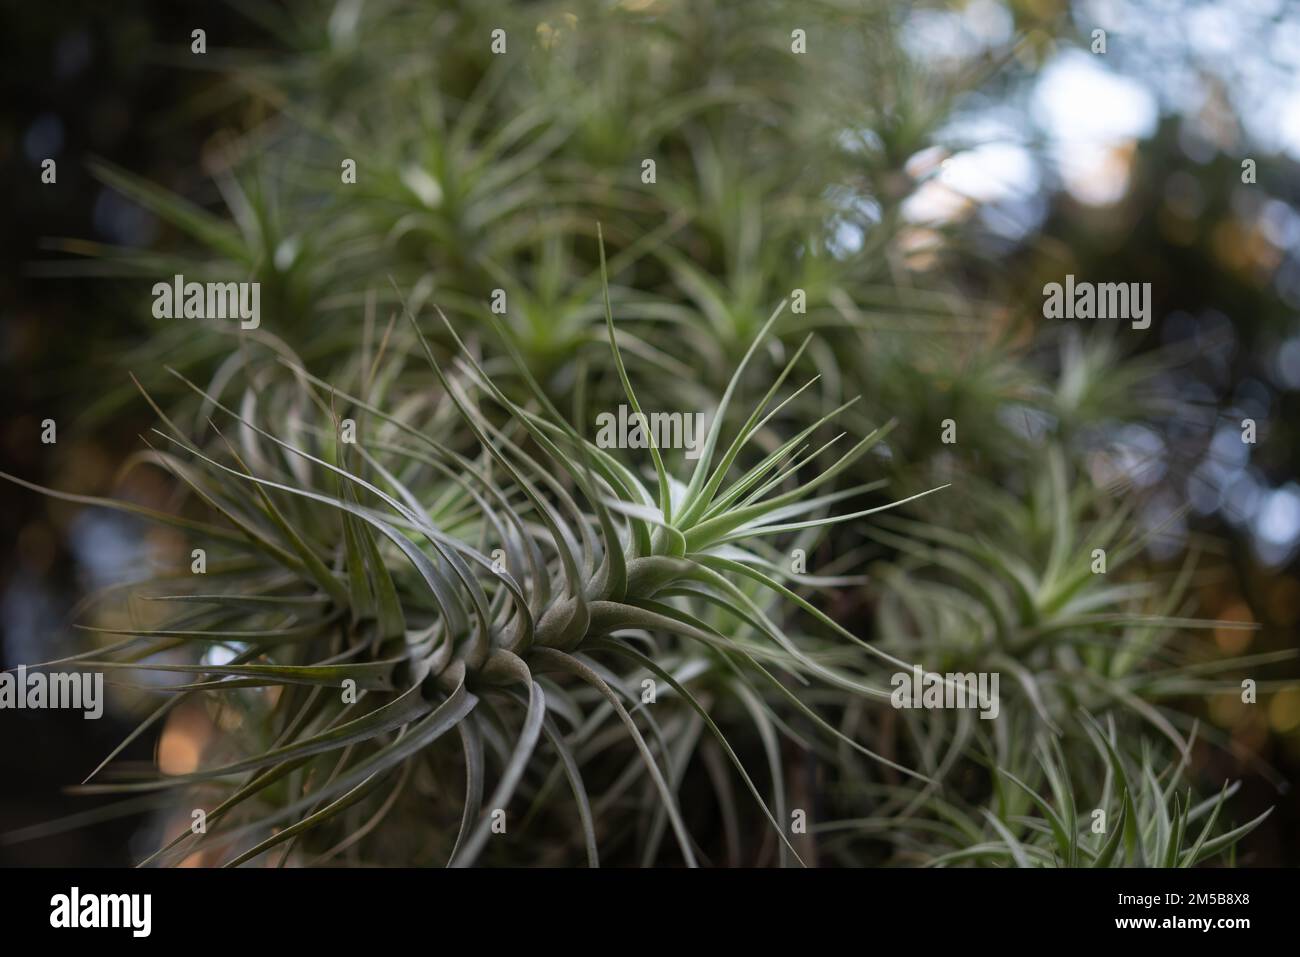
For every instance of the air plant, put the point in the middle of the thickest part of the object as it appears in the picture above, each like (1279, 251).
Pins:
(357, 581)
(1041, 816)
(407, 530)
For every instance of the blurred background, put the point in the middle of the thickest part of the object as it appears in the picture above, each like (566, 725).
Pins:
(1116, 155)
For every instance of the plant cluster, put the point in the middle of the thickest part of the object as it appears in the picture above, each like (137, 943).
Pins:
(438, 623)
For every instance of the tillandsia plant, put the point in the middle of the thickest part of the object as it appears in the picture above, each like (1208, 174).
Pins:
(430, 613)
(726, 172)
(377, 580)
(1037, 598)
(388, 578)
(1135, 816)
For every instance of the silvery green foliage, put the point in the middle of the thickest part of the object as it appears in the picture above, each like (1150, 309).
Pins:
(454, 628)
